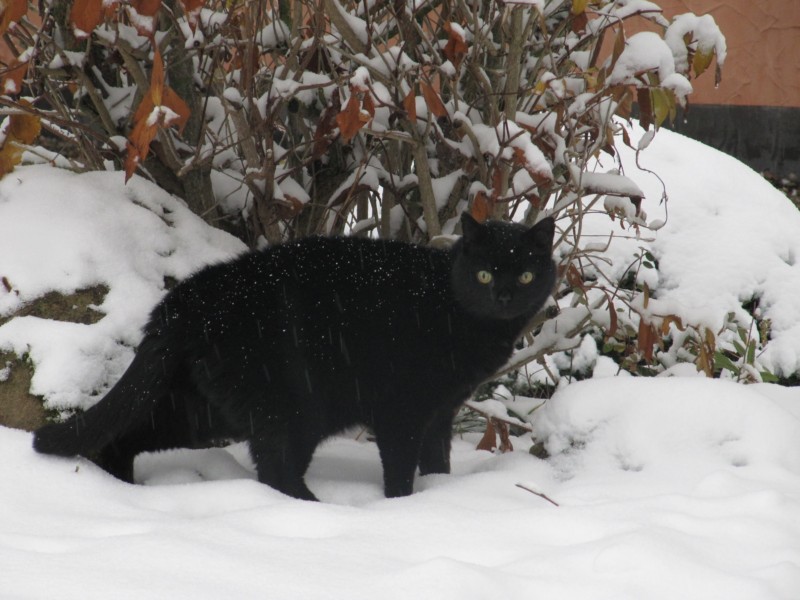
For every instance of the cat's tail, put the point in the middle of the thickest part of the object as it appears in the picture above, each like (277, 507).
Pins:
(128, 404)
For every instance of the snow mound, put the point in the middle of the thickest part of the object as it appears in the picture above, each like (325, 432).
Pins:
(729, 251)
(61, 231)
(665, 425)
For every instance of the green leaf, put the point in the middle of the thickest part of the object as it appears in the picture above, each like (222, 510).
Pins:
(663, 105)
(751, 352)
(724, 363)
(701, 61)
(768, 377)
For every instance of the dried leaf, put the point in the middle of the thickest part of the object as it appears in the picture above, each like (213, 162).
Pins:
(505, 439)
(157, 79)
(645, 108)
(85, 16)
(369, 105)
(432, 99)
(289, 207)
(160, 107)
(613, 319)
(176, 104)
(23, 129)
(579, 22)
(670, 319)
(192, 5)
(646, 339)
(11, 12)
(146, 8)
(574, 279)
(579, 6)
(192, 9)
(410, 105)
(489, 440)
(349, 120)
(11, 84)
(481, 208)
(456, 48)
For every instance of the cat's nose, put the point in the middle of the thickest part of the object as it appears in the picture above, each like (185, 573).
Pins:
(504, 297)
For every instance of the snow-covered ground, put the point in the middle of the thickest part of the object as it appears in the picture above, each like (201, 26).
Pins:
(674, 487)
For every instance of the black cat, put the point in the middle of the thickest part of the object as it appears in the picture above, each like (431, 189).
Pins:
(290, 345)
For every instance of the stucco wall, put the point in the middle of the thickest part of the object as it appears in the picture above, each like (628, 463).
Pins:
(763, 64)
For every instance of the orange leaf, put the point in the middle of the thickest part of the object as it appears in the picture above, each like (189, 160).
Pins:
(456, 48)
(410, 105)
(519, 157)
(146, 8)
(351, 119)
(646, 340)
(432, 99)
(176, 104)
(497, 182)
(481, 208)
(22, 128)
(192, 5)
(192, 9)
(489, 440)
(139, 146)
(157, 78)
(11, 83)
(85, 16)
(505, 439)
(160, 107)
(12, 11)
(369, 104)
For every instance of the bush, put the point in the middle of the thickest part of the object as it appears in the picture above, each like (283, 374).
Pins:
(282, 119)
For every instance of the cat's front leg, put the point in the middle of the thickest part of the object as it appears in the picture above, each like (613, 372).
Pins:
(399, 446)
(435, 453)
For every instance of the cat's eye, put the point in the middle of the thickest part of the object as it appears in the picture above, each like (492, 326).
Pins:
(484, 277)
(525, 278)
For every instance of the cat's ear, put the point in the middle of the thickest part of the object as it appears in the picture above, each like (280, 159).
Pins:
(472, 230)
(540, 236)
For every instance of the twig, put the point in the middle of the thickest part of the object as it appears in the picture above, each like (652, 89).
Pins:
(535, 493)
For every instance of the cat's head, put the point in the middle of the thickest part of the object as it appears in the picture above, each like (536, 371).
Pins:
(503, 270)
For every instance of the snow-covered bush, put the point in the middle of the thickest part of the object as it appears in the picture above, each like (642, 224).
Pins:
(283, 119)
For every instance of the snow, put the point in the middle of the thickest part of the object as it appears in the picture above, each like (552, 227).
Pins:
(64, 232)
(646, 51)
(705, 38)
(274, 35)
(729, 237)
(669, 487)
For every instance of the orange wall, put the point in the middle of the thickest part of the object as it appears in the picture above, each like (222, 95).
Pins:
(763, 64)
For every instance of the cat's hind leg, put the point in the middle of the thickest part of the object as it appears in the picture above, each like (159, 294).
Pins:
(180, 419)
(282, 455)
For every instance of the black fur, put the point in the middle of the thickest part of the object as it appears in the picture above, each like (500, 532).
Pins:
(287, 346)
